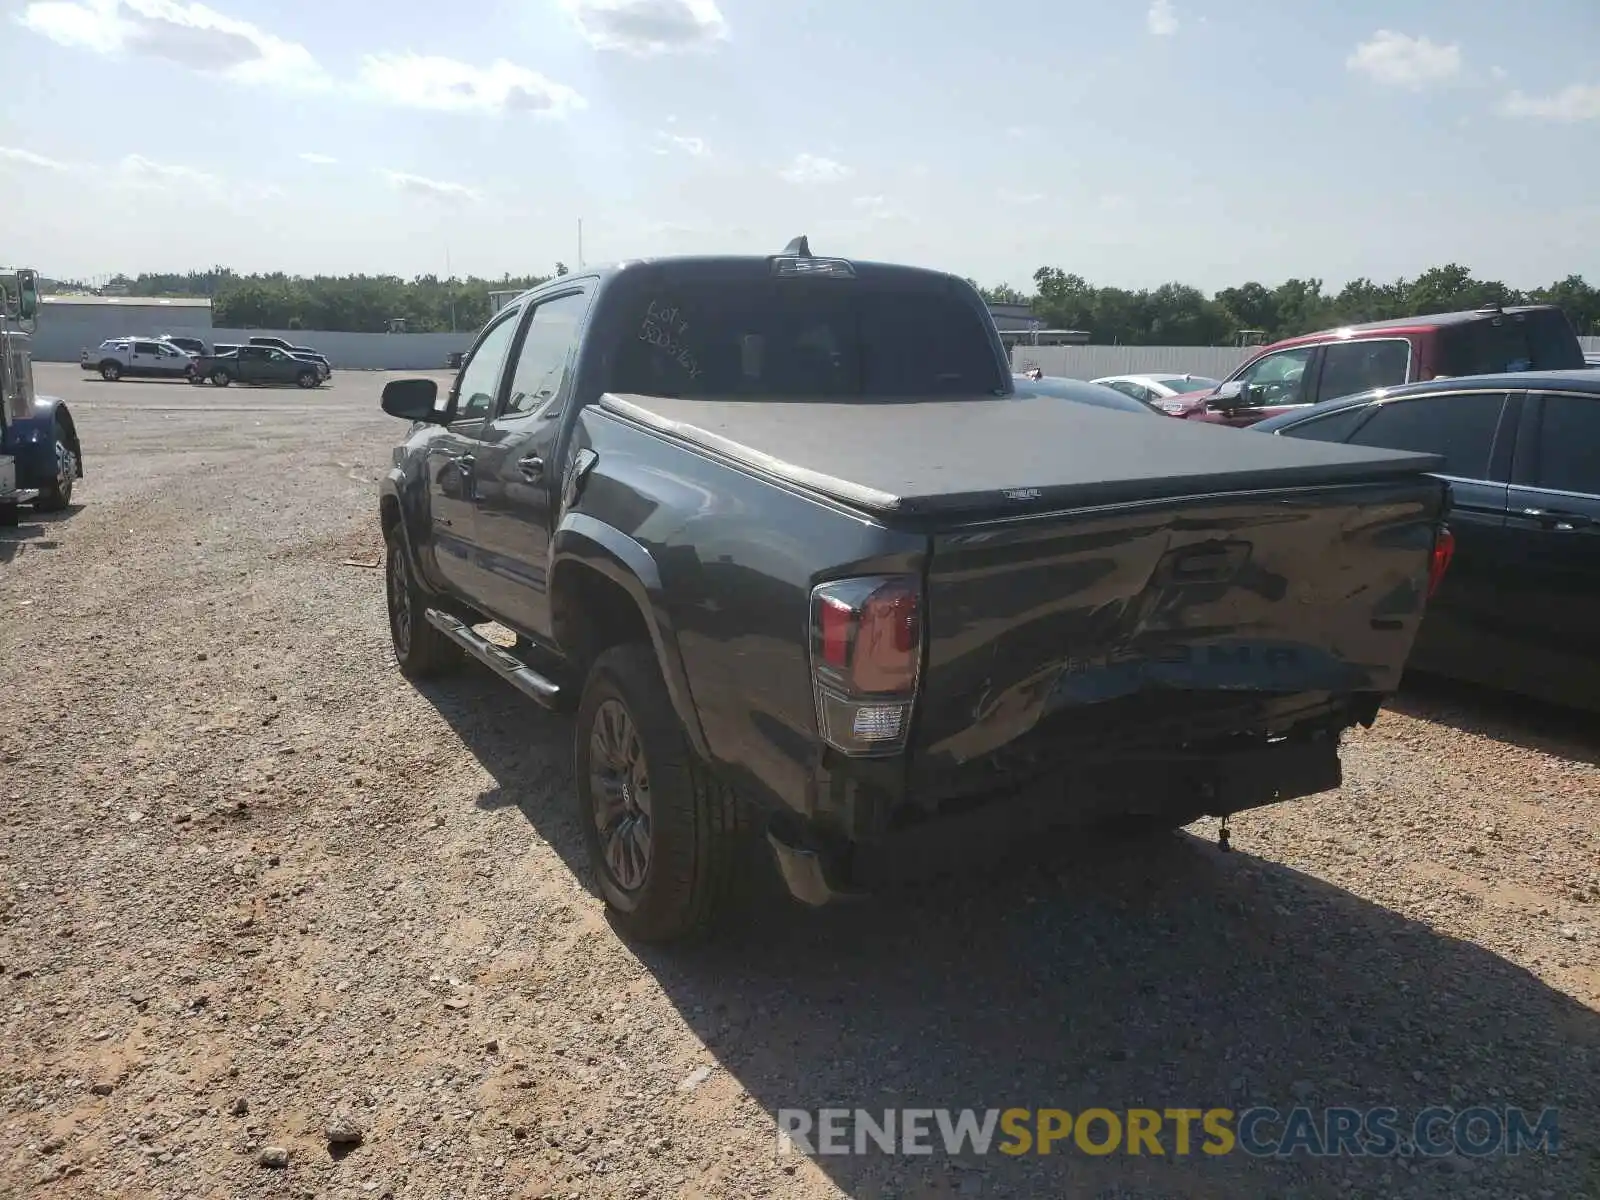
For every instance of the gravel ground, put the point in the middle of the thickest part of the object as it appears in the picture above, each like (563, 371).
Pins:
(255, 887)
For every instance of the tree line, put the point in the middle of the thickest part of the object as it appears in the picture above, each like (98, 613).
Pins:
(335, 303)
(1173, 314)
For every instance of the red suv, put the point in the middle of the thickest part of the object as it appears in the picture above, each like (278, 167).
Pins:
(1302, 371)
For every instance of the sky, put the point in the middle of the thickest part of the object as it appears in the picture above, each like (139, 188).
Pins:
(1133, 142)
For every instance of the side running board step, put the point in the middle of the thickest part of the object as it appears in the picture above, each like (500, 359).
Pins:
(498, 659)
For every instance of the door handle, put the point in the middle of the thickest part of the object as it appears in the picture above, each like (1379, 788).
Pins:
(1561, 522)
(532, 468)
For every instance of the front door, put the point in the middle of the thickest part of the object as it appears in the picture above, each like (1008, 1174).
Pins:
(452, 461)
(519, 477)
(1273, 384)
(1554, 517)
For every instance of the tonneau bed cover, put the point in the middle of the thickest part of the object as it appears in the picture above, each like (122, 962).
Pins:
(910, 457)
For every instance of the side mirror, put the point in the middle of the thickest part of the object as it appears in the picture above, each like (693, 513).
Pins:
(27, 295)
(412, 400)
(1229, 396)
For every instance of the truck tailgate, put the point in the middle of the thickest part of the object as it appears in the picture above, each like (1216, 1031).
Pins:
(1094, 628)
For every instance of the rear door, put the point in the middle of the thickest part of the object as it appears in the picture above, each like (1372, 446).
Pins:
(1470, 631)
(1360, 365)
(252, 361)
(519, 478)
(1554, 520)
(144, 359)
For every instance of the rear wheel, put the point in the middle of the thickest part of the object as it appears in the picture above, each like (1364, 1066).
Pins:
(110, 371)
(10, 515)
(221, 378)
(665, 838)
(420, 650)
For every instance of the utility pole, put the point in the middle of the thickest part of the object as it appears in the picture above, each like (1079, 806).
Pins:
(450, 282)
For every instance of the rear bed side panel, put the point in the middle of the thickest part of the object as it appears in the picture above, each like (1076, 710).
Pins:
(1317, 591)
(737, 558)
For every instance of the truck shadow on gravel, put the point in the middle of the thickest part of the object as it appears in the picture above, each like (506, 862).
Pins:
(33, 531)
(1163, 974)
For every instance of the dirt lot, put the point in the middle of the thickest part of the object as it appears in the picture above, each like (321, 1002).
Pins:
(252, 882)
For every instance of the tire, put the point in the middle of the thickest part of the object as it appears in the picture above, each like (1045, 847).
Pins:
(221, 378)
(307, 379)
(194, 377)
(56, 495)
(110, 371)
(689, 829)
(420, 650)
(10, 516)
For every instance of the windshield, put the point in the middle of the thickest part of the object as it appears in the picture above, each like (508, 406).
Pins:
(1191, 383)
(803, 337)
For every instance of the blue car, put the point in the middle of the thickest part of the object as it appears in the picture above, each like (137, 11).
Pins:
(1517, 609)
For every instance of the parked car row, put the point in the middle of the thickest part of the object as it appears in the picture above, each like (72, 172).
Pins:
(262, 360)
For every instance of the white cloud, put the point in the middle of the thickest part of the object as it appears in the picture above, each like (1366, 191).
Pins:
(142, 172)
(29, 159)
(648, 27)
(1162, 19)
(810, 168)
(322, 160)
(878, 208)
(1007, 196)
(433, 189)
(1576, 102)
(694, 147)
(1397, 60)
(427, 81)
(1497, 72)
(190, 35)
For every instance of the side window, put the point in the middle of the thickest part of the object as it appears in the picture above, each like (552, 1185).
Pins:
(1128, 388)
(1276, 378)
(1334, 427)
(542, 361)
(1461, 428)
(1359, 366)
(146, 348)
(1569, 445)
(480, 378)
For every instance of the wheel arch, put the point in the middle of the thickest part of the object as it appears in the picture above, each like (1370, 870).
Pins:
(605, 589)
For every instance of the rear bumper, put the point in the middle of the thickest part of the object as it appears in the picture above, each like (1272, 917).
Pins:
(1176, 788)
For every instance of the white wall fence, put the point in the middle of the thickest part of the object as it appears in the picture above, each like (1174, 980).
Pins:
(61, 340)
(1591, 345)
(1091, 362)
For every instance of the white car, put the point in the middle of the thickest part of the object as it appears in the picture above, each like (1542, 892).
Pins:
(127, 358)
(1158, 390)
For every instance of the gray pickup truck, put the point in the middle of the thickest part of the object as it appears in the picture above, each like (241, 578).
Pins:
(815, 574)
(257, 365)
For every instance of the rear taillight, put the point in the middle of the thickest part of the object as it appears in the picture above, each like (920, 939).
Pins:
(866, 651)
(1444, 548)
